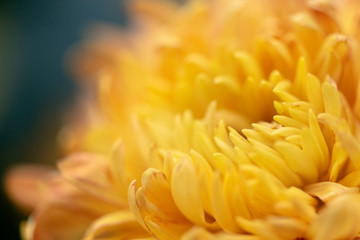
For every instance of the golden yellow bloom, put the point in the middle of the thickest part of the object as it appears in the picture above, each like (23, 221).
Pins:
(230, 120)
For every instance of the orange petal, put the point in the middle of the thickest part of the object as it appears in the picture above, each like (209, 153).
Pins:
(23, 184)
(91, 173)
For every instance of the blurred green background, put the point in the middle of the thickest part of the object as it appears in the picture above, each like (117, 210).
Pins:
(35, 90)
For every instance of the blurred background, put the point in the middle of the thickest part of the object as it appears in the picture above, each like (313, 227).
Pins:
(35, 90)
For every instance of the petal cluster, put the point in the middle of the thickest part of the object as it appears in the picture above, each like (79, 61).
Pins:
(230, 120)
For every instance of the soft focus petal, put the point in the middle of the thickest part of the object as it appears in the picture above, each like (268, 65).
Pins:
(24, 183)
(338, 220)
(65, 212)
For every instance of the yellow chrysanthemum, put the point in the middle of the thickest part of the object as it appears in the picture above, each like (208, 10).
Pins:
(230, 120)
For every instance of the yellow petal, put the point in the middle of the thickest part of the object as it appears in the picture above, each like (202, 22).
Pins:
(117, 167)
(197, 233)
(117, 225)
(186, 192)
(249, 64)
(331, 98)
(133, 204)
(338, 161)
(167, 230)
(272, 161)
(314, 92)
(221, 210)
(157, 190)
(298, 161)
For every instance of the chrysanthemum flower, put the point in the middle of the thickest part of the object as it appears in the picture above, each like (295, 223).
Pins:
(231, 120)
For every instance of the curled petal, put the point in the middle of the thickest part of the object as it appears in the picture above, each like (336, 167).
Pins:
(326, 191)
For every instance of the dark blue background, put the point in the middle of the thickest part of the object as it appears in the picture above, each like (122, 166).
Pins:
(35, 90)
